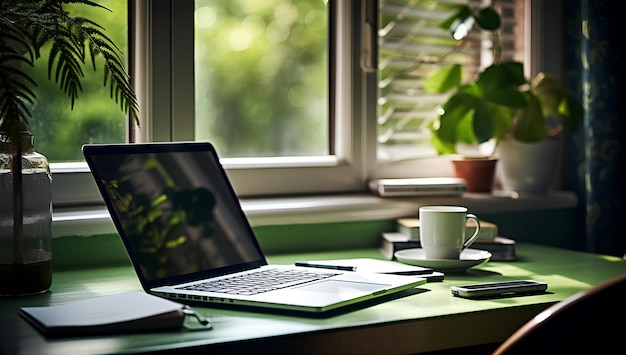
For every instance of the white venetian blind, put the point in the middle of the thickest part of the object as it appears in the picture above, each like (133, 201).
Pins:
(411, 45)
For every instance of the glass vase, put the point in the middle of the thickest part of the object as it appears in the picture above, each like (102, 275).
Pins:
(25, 219)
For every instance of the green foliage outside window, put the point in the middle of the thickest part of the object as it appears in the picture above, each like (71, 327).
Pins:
(261, 77)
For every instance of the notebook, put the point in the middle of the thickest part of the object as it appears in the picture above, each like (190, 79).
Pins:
(185, 233)
(121, 313)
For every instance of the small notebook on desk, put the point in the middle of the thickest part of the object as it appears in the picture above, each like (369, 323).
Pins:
(126, 312)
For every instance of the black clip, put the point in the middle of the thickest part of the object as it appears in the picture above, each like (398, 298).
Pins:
(205, 323)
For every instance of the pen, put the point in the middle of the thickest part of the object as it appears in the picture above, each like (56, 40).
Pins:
(325, 266)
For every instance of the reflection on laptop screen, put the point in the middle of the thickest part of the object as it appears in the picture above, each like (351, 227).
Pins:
(176, 212)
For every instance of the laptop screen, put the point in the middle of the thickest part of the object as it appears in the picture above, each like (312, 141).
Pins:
(174, 208)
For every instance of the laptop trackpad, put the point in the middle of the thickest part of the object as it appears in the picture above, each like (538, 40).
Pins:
(342, 287)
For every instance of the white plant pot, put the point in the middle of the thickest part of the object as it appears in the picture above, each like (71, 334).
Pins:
(528, 168)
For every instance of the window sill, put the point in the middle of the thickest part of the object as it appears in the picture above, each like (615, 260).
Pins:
(95, 220)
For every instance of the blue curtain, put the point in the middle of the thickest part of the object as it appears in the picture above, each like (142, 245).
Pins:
(596, 152)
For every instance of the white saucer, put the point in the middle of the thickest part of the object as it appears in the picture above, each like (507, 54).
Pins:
(468, 258)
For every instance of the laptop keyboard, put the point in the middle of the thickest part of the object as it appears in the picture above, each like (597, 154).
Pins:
(259, 281)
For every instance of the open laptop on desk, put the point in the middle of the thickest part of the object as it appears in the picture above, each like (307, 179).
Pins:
(186, 235)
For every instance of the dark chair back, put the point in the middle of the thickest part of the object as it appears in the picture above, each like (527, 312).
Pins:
(592, 320)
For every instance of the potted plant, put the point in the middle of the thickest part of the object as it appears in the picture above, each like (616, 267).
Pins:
(500, 105)
(25, 28)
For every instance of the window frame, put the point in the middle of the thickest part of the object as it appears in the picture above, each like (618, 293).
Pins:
(162, 55)
(342, 171)
(162, 72)
(352, 109)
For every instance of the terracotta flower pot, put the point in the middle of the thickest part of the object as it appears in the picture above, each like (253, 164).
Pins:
(477, 172)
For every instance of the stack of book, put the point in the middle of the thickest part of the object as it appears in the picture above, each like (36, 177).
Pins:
(407, 237)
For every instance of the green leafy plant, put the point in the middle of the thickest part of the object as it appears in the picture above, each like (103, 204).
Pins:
(26, 27)
(499, 102)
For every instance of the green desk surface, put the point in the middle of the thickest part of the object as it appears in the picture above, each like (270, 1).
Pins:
(425, 320)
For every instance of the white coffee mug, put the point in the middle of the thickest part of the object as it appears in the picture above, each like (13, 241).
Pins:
(442, 231)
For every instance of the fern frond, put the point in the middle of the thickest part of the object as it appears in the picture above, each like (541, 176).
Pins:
(14, 115)
(14, 81)
(66, 62)
(27, 27)
(15, 85)
(85, 2)
(114, 71)
(88, 34)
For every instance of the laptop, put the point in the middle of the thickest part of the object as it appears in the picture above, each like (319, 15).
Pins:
(186, 235)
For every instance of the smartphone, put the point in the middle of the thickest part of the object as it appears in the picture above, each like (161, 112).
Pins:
(499, 289)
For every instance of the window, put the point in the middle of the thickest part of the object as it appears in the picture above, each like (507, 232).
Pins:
(333, 165)
(333, 101)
